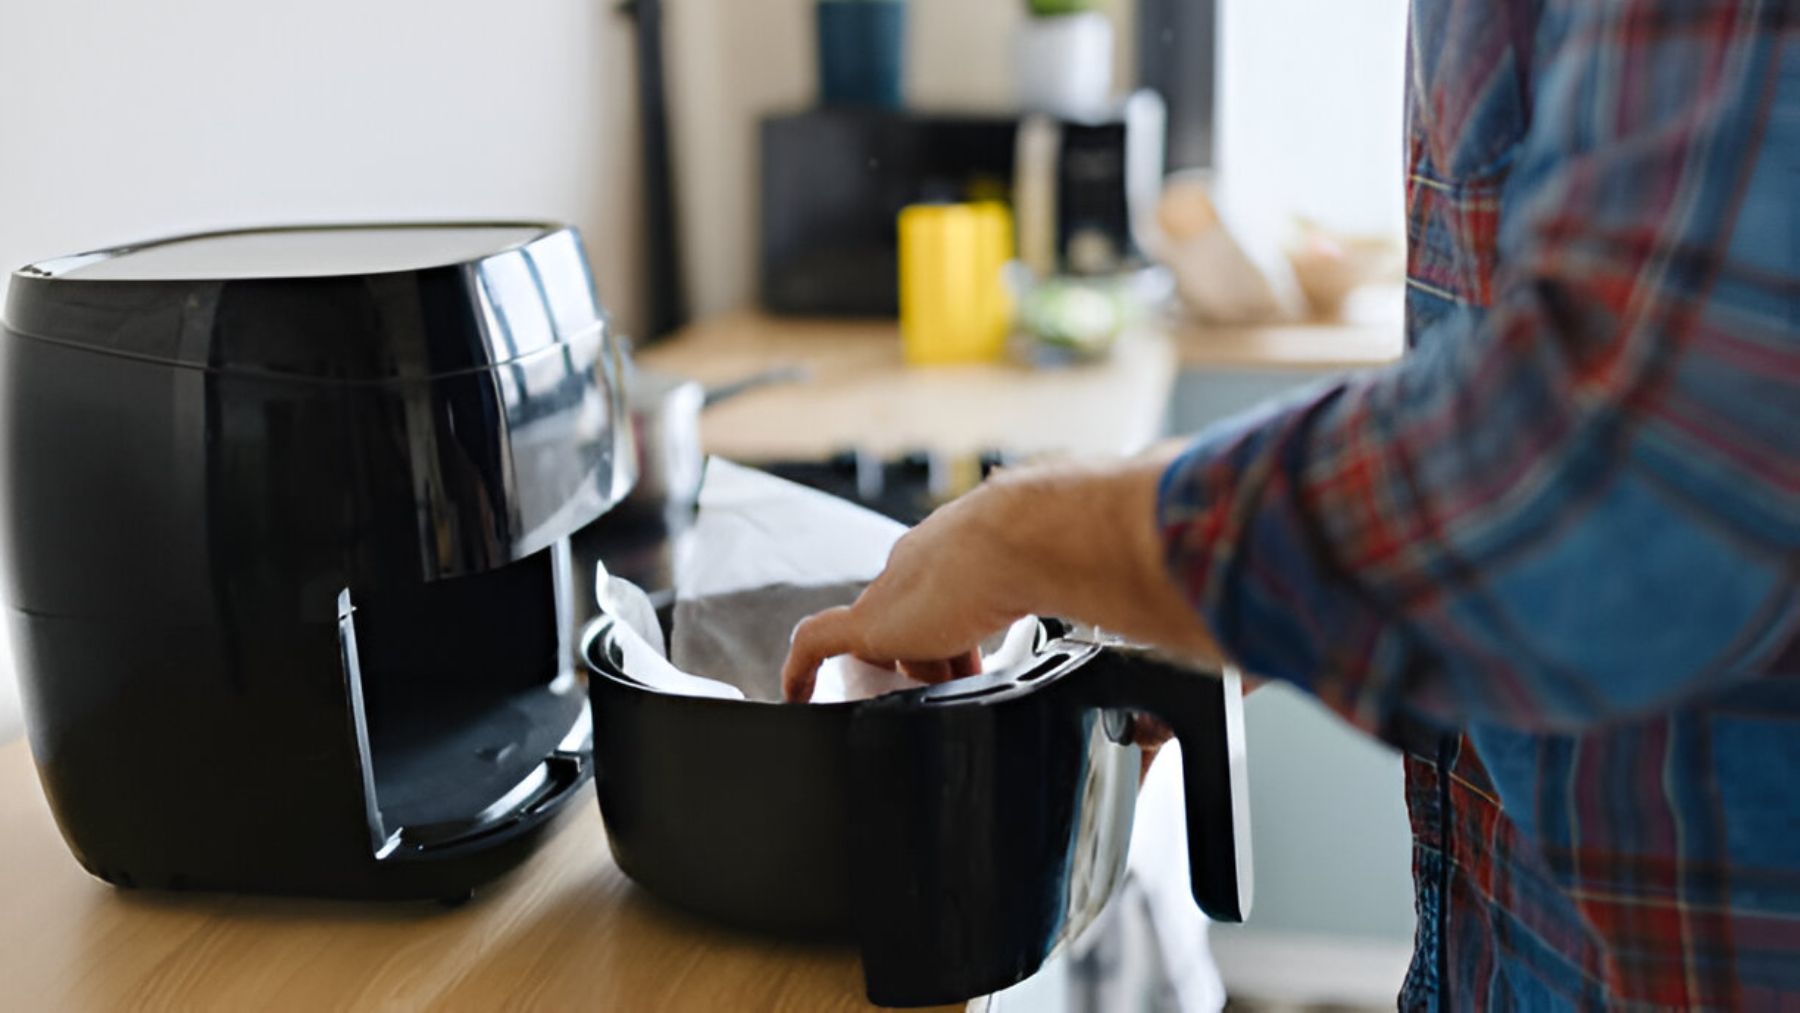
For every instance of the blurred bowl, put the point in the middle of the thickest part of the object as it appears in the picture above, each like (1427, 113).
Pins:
(1329, 265)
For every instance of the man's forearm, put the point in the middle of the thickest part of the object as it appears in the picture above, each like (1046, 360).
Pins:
(1087, 548)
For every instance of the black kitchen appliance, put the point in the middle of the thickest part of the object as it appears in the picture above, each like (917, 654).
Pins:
(287, 516)
(834, 180)
(957, 833)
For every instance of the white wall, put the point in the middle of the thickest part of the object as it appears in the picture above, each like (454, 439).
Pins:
(1310, 111)
(123, 121)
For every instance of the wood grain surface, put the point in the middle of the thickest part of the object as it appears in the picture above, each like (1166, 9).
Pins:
(859, 394)
(566, 931)
(1290, 346)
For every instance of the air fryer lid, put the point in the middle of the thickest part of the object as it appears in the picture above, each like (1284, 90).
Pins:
(294, 253)
(341, 302)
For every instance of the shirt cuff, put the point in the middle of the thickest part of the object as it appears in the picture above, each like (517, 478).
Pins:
(1241, 540)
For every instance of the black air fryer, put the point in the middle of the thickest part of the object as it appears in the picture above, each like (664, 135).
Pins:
(287, 517)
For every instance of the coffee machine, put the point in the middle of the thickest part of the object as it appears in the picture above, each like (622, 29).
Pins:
(287, 522)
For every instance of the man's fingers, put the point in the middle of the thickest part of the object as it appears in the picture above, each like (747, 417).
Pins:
(960, 667)
(825, 635)
(1150, 731)
(927, 671)
(834, 632)
(815, 639)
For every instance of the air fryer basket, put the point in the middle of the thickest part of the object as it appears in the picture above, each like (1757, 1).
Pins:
(956, 833)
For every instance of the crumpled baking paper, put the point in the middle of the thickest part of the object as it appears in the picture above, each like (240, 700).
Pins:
(763, 554)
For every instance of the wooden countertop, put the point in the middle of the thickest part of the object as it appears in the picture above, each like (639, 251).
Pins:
(1306, 346)
(565, 931)
(1372, 333)
(858, 392)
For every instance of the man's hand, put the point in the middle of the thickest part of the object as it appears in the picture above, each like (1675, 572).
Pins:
(949, 583)
(1078, 543)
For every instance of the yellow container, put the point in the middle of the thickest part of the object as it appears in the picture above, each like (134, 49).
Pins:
(954, 306)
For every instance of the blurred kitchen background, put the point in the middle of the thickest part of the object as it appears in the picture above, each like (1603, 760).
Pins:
(1277, 241)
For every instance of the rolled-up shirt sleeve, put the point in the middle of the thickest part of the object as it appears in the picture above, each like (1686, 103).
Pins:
(1587, 504)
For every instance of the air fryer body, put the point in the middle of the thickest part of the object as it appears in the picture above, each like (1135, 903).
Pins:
(288, 567)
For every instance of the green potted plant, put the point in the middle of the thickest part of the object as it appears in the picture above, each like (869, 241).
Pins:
(862, 52)
(1062, 57)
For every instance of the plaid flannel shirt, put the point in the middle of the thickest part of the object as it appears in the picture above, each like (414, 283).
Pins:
(1553, 553)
